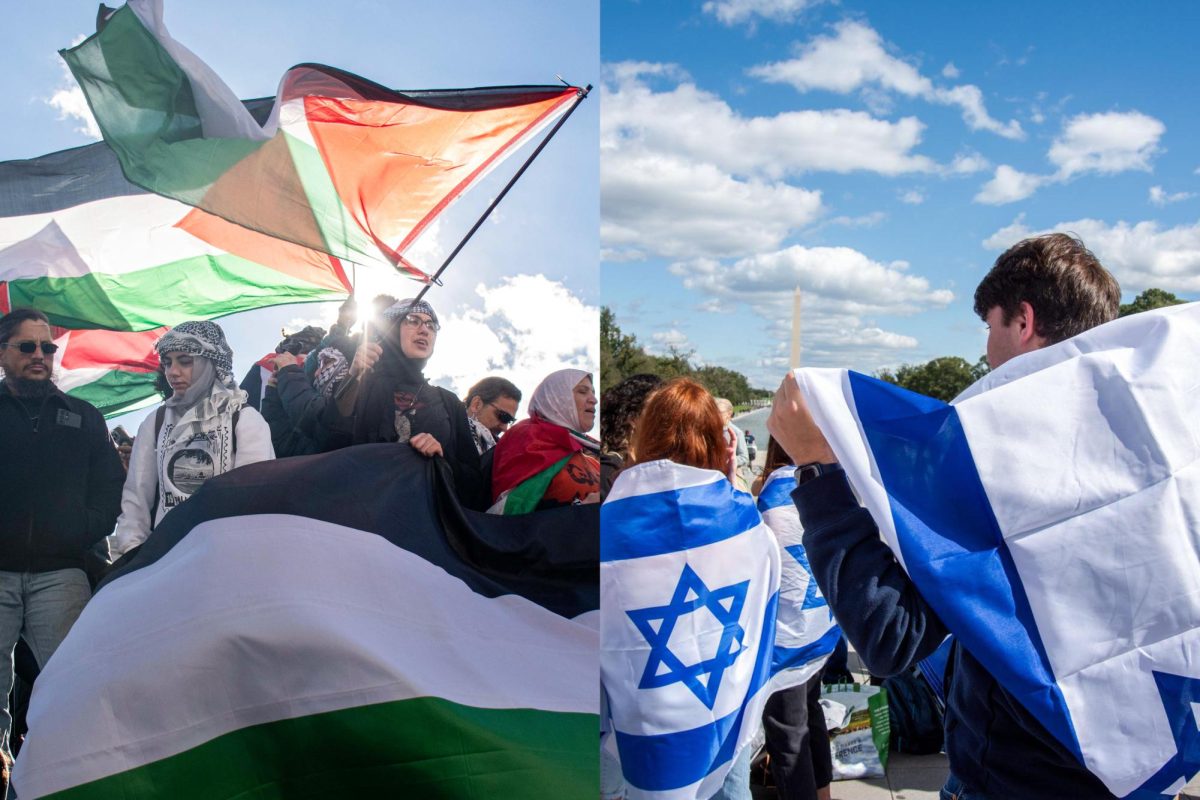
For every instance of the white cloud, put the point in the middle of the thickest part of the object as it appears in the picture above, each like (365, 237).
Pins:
(700, 126)
(968, 163)
(731, 12)
(661, 204)
(835, 279)
(912, 197)
(528, 327)
(863, 221)
(855, 58)
(1140, 255)
(1103, 144)
(1008, 186)
(1106, 143)
(1160, 197)
(682, 174)
(671, 339)
(950, 71)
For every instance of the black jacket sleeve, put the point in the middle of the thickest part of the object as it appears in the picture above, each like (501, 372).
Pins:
(878, 608)
(462, 455)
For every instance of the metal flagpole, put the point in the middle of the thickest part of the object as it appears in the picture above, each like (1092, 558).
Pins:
(581, 94)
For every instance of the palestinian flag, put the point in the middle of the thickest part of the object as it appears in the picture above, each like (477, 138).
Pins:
(342, 165)
(291, 631)
(112, 370)
(91, 250)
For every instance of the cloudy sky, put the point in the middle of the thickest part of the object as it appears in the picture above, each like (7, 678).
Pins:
(522, 298)
(880, 156)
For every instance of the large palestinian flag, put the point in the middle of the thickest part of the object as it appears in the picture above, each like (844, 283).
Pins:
(91, 250)
(112, 370)
(342, 165)
(294, 632)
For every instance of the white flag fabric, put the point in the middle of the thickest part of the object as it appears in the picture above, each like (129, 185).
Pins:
(805, 631)
(689, 585)
(1051, 517)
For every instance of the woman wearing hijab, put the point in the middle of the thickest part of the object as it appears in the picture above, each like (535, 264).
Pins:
(389, 400)
(204, 428)
(548, 460)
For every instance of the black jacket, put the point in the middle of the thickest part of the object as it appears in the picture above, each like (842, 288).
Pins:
(60, 486)
(292, 409)
(995, 746)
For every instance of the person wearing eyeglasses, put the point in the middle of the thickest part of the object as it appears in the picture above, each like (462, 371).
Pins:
(491, 408)
(60, 488)
(388, 399)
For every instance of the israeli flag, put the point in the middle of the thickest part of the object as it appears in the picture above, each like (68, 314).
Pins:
(1051, 517)
(689, 588)
(805, 631)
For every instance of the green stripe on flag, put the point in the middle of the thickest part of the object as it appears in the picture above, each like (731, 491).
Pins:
(118, 392)
(426, 748)
(199, 287)
(337, 226)
(524, 497)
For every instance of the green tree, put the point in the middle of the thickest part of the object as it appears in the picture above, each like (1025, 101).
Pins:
(1148, 300)
(943, 378)
(620, 353)
(722, 382)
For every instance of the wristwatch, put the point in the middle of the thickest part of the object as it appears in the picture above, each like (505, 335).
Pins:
(806, 472)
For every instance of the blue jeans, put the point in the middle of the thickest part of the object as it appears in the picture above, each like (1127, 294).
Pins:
(737, 782)
(957, 790)
(40, 607)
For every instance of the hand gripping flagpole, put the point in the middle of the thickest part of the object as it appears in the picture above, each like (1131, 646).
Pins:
(580, 95)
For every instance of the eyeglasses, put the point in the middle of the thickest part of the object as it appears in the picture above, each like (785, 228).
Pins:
(413, 321)
(29, 348)
(502, 415)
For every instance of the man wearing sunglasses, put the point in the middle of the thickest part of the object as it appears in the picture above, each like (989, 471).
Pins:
(491, 408)
(60, 493)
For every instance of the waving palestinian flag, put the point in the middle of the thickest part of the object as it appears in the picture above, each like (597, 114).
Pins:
(91, 250)
(290, 632)
(342, 165)
(112, 370)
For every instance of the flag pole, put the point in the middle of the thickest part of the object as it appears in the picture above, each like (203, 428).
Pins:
(580, 95)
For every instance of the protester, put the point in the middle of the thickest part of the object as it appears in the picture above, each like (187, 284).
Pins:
(736, 438)
(793, 721)
(297, 344)
(60, 488)
(203, 428)
(388, 399)
(548, 459)
(621, 406)
(339, 335)
(292, 406)
(1041, 291)
(491, 408)
(681, 424)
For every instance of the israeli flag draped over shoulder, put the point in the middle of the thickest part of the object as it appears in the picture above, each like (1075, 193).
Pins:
(689, 587)
(1051, 517)
(805, 631)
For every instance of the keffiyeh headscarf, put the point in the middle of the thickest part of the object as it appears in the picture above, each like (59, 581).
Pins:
(202, 419)
(409, 305)
(554, 401)
(332, 369)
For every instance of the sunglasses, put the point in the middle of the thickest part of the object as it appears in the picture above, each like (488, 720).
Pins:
(29, 348)
(502, 415)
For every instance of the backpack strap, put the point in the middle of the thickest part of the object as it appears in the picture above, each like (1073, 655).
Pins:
(159, 416)
(233, 430)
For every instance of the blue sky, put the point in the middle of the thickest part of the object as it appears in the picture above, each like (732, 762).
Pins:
(522, 298)
(880, 156)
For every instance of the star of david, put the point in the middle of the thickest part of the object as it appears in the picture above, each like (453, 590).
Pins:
(656, 623)
(812, 596)
(1181, 698)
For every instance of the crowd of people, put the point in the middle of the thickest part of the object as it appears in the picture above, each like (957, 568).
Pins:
(81, 502)
(1041, 291)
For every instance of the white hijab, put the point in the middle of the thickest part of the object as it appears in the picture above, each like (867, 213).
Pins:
(554, 398)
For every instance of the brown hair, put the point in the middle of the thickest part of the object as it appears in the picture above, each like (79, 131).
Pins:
(1059, 277)
(776, 457)
(680, 422)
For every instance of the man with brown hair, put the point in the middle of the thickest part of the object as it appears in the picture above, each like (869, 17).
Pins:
(1040, 292)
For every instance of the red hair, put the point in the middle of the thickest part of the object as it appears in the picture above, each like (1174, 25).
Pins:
(680, 422)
